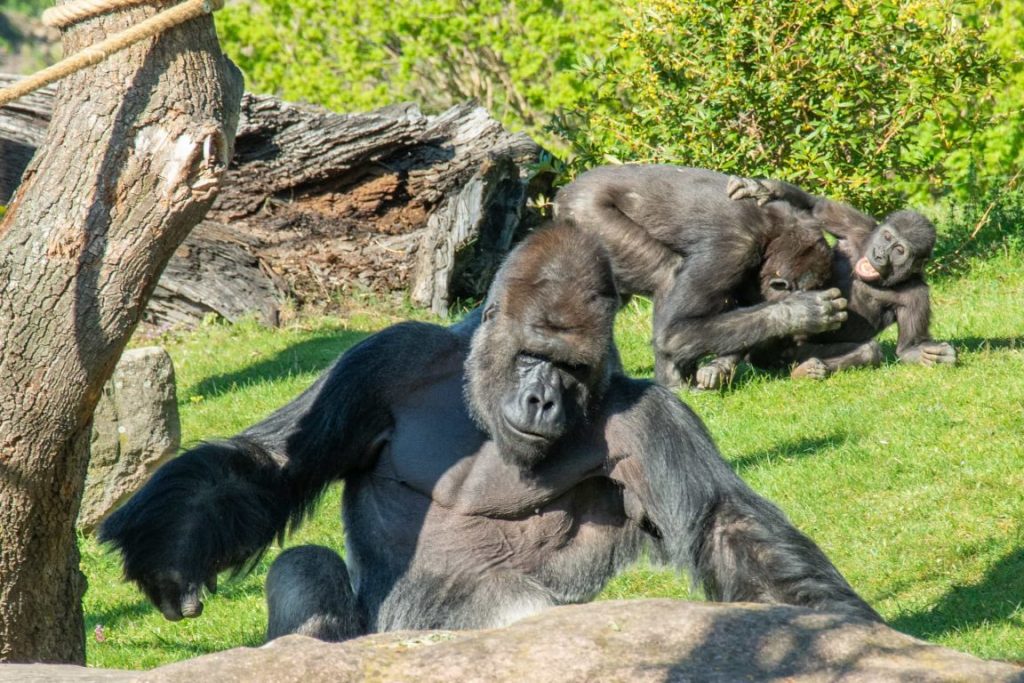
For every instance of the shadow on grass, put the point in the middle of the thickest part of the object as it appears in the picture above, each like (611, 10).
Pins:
(995, 598)
(126, 610)
(793, 450)
(987, 344)
(310, 355)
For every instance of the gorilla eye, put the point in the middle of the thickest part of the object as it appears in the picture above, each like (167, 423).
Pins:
(778, 284)
(899, 249)
(887, 235)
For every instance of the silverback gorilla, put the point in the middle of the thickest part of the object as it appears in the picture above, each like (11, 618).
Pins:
(724, 275)
(491, 469)
(879, 268)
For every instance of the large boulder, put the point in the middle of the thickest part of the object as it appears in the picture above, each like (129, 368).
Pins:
(635, 641)
(135, 430)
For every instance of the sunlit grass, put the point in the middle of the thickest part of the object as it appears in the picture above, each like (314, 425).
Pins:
(911, 479)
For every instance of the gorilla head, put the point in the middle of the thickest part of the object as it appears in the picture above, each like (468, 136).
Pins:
(897, 249)
(541, 357)
(798, 260)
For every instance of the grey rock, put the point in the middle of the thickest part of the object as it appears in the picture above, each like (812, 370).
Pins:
(135, 430)
(636, 641)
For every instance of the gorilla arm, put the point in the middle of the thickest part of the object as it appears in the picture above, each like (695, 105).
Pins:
(913, 316)
(220, 504)
(702, 517)
(840, 220)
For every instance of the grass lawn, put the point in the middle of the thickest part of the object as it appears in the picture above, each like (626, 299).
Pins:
(911, 479)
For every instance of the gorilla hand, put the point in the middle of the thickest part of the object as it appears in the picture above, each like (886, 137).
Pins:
(930, 353)
(749, 188)
(813, 312)
(212, 508)
(175, 594)
(716, 373)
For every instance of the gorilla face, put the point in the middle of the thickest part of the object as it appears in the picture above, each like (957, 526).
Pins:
(539, 361)
(897, 249)
(798, 260)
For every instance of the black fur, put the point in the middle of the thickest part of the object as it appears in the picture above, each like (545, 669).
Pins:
(724, 275)
(462, 508)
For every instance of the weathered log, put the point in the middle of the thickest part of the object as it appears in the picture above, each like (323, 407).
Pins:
(318, 204)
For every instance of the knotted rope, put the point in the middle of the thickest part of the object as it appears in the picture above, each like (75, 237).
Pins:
(74, 12)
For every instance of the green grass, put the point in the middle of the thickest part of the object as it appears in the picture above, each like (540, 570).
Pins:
(910, 478)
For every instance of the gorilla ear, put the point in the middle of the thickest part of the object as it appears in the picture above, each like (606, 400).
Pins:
(779, 284)
(490, 311)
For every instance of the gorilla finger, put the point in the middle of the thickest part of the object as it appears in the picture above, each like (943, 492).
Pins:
(734, 186)
(191, 601)
(832, 293)
(840, 304)
(170, 608)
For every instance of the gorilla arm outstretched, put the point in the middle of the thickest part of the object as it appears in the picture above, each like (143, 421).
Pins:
(838, 219)
(705, 519)
(220, 504)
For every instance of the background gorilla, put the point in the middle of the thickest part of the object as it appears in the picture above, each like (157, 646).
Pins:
(878, 268)
(724, 276)
(491, 470)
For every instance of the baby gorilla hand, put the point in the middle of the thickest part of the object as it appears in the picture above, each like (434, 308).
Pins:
(814, 312)
(749, 188)
(176, 596)
(936, 353)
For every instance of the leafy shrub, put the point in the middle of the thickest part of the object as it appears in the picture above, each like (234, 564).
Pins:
(829, 94)
(516, 57)
(995, 152)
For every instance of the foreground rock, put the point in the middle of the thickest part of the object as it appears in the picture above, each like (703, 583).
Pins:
(635, 641)
(135, 429)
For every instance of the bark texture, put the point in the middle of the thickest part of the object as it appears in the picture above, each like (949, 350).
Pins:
(318, 204)
(131, 162)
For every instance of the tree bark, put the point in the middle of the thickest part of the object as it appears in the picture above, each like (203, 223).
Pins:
(132, 161)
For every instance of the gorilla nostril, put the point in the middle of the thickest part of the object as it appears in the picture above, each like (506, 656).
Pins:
(548, 406)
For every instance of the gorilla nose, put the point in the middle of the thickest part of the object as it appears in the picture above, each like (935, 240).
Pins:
(539, 412)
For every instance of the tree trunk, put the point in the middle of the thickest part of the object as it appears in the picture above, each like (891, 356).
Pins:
(131, 162)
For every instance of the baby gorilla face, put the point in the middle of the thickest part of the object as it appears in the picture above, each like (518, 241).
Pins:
(897, 249)
(889, 258)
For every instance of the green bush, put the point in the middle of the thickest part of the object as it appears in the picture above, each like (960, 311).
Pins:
(995, 153)
(517, 58)
(830, 95)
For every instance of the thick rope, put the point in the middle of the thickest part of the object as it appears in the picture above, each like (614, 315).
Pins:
(74, 12)
(94, 54)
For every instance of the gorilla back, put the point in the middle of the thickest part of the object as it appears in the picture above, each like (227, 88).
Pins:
(491, 469)
(724, 275)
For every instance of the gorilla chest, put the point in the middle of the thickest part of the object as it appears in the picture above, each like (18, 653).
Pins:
(437, 451)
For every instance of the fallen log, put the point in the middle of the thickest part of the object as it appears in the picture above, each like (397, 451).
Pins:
(317, 205)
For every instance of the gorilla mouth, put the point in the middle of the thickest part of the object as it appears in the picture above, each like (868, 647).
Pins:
(865, 271)
(523, 435)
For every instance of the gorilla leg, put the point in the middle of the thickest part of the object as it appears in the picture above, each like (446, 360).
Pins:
(817, 361)
(309, 593)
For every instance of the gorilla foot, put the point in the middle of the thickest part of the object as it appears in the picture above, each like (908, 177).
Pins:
(812, 368)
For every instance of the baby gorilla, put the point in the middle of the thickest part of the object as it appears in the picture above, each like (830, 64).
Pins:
(879, 268)
(491, 470)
